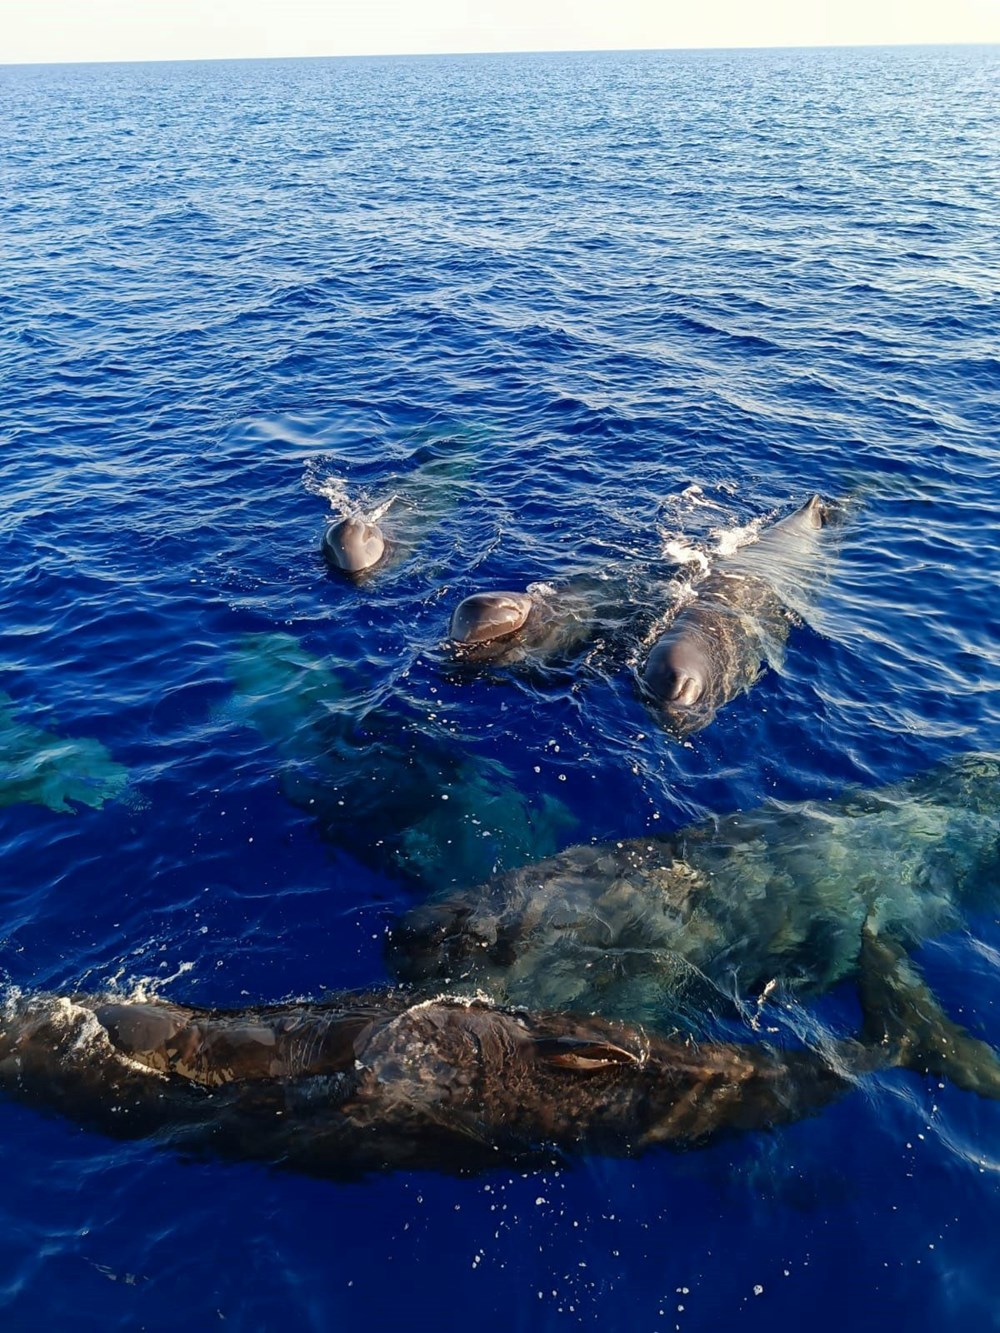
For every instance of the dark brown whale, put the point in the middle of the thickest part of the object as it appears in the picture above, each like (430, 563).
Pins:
(717, 645)
(365, 1083)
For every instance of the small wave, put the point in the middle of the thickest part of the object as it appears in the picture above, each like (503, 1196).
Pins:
(332, 489)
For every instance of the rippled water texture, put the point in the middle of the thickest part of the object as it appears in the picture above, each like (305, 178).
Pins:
(581, 316)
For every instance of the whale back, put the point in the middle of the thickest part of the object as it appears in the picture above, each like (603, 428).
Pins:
(380, 1081)
(717, 645)
(706, 918)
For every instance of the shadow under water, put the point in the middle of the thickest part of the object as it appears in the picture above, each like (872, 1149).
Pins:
(59, 772)
(385, 791)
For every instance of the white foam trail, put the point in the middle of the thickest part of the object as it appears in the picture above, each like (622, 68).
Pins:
(140, 990)
(148, 988)
(724, 539)
(682, 554)
(332, 489)
(729, 540)
(375, 514)
(693, 497)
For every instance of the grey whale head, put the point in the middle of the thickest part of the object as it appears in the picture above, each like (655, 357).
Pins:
(354, 546)
(483, 625)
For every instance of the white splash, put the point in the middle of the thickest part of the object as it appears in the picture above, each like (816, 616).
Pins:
(143, 990)
(729, 540)
(694, 497)
(379, 511)
(333, 489)
(677, 550)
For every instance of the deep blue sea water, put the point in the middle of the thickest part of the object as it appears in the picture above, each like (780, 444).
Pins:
(589, 310)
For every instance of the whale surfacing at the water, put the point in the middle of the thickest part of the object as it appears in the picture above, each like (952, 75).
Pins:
(354, 545)
(383, 1081)
(544, 623)
(374, 529)
(488, 618)
(708, 918)
(716, 646)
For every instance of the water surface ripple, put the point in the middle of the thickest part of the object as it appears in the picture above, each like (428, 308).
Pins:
(624, 304)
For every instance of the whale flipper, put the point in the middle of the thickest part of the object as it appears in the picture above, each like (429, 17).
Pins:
(580, 1054)
(903, 1015)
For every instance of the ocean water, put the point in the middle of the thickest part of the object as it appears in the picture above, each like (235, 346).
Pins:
(586, 314)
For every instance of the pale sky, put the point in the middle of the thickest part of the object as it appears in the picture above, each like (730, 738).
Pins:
(55, 30)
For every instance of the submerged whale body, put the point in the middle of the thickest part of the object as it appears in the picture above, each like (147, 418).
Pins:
(60, 772)
(717, 646)
(366, 1083)
(391, 793)
(713, 915)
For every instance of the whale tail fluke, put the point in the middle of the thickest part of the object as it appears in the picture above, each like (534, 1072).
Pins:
(904, 1019)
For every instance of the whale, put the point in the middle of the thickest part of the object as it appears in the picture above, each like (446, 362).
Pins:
(354, 545)
(374, 528)
(389, 1081)
(390, 792)
(61, 773)
(715, 916)
(544, 623)
(717, 645)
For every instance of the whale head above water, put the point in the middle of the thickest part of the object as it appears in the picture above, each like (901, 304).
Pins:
(487, 619)
(680, 678)
(354, 545)
(717, 645)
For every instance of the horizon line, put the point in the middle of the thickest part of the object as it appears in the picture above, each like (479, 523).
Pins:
(515, 51)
